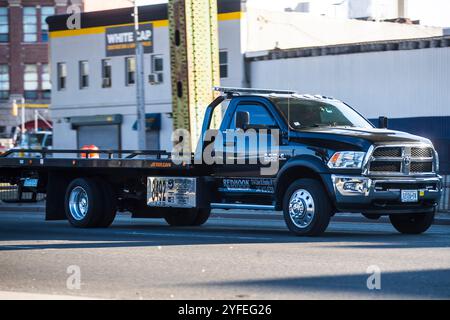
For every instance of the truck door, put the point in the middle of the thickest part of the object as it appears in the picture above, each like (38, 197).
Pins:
(241, 168)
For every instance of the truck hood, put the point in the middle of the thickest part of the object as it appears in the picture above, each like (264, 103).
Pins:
(359, 138)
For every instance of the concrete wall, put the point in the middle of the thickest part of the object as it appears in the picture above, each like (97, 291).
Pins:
(392, 83)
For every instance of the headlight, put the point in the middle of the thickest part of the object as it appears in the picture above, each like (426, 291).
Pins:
(436, 155)
(347, 160)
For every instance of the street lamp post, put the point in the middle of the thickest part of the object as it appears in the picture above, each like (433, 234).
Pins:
(140, 92)
(22, 101)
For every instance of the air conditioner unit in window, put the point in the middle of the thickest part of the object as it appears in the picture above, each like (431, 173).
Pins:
(106, 82)
(155, 78)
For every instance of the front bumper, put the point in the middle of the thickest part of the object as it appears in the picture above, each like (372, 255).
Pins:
(382, 195)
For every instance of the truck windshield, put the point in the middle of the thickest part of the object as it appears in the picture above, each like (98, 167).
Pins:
(32, 140)
(307, 113)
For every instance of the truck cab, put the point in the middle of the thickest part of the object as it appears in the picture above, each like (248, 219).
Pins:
(329, 158)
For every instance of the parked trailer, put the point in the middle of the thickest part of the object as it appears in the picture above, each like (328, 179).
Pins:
(329, 159)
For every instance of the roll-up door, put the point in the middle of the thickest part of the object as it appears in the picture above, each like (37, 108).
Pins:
(104, 137)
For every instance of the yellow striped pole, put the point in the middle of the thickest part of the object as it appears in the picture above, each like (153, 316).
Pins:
(194, 61)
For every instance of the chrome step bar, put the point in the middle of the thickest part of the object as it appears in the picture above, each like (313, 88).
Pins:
(242, 206)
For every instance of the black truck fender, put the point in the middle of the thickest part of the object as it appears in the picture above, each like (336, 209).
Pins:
(302, 167)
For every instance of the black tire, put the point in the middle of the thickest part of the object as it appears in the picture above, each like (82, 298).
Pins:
(321, 208)
(412, 223)
(109, 201)
(187, 217)
(202, 216)
(94, 194)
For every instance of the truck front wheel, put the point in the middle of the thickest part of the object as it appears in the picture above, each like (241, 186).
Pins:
(187, 217)
(306, 208)
(412, 223)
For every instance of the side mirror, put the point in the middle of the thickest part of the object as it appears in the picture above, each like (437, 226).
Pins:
(383, 122)
(242, 119)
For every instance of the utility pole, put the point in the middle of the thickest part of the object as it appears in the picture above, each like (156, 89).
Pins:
(36, 121)
(140, 90)
(23, 116)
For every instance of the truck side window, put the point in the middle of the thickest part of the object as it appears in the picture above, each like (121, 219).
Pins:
(258, 115)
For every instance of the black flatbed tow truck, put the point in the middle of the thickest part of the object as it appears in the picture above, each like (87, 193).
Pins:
(328, 157)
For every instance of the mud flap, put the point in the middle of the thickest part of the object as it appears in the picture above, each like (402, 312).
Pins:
(56, 192)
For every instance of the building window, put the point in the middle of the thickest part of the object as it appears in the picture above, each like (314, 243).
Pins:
(84, 74)
(130, 71)
(29, 24)
(45, 81)
(223, 61)
(106, 73)
(157, 72)
(31, 82)
(4, 25)
(45, 13)
(62, 75)
(4, 81)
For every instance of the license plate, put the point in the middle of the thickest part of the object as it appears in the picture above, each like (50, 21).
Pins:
(172, 192)
(410, 196)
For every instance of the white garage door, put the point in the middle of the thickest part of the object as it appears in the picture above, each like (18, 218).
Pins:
(104, 137)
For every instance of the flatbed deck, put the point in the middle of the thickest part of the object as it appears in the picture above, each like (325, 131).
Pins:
(83, 160)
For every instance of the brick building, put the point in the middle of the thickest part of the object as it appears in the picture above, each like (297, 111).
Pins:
(24, 68)
(24, 58)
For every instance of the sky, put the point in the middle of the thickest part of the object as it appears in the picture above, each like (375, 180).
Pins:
(430, 12)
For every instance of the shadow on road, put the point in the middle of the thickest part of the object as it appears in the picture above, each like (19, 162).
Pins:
(432, 284)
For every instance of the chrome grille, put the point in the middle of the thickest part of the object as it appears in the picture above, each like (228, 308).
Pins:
(385, 166)
(421, 152)
(401, 160)
(421, 167)
(388, 152)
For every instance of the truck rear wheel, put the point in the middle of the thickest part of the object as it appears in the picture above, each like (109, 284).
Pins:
(412, 223)
(84, 203)
(306, 208)
(187, 217)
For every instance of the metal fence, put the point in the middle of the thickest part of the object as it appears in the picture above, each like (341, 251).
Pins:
(11, 193)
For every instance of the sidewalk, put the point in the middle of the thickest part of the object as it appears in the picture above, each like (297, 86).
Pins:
(442, 218)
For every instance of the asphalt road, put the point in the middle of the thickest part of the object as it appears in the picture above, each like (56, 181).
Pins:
(228, 258)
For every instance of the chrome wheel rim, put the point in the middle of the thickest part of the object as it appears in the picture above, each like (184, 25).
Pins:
(301, 208)
(78, 203)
